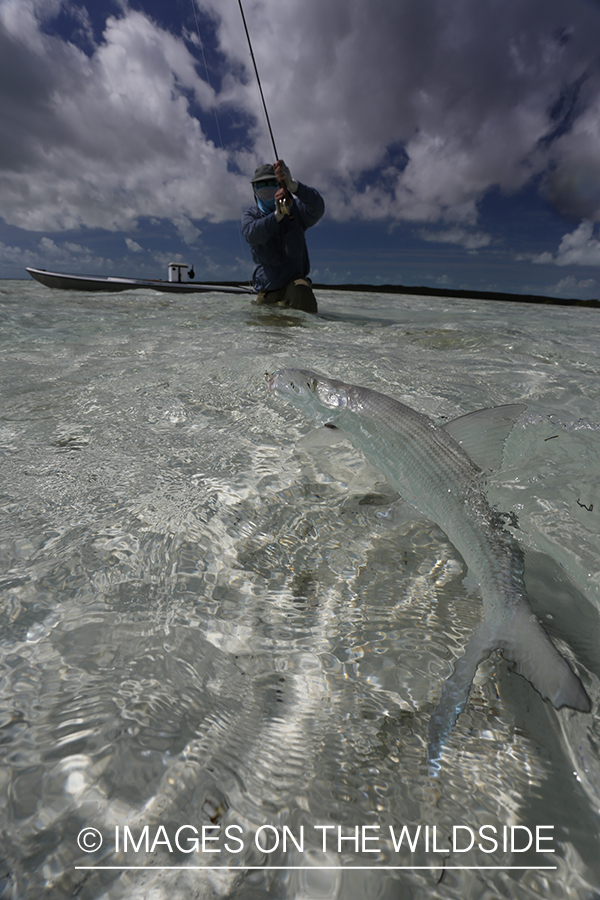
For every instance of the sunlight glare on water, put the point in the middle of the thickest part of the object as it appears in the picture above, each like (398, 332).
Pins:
(205, 625)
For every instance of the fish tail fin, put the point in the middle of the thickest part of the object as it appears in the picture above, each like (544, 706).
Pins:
(537, 659)
(523, 642)
(455, 693)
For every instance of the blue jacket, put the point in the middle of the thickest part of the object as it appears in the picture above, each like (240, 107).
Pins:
(279, 248)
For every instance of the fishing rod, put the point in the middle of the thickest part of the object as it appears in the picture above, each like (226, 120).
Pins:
(280, 177)
(262, 96)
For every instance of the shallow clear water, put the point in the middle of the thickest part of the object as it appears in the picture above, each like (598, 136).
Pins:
(203, 625)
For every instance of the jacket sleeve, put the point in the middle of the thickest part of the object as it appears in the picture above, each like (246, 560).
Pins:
(313, 205)
(258, 228)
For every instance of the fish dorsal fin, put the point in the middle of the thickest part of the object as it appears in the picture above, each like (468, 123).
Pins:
(482, 433)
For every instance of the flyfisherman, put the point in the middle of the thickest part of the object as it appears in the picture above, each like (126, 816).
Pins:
(274, 227)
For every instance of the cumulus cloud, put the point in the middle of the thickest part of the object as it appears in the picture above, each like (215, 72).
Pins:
(101, 140)
(412, 110)
(573, 184)
(470, 240)
(397, 111)
(578, 248)
(571, 286)
(133, 246)
(67, 249)
(51, 254)
(188, 232)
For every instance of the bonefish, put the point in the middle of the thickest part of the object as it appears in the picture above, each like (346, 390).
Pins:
(438, 469)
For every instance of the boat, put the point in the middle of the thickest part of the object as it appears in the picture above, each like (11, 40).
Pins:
(178, 282)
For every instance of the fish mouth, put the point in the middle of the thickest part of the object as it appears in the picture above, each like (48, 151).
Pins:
(270, 379)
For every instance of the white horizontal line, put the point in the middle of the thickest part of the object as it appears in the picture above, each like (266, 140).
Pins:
(287, 868)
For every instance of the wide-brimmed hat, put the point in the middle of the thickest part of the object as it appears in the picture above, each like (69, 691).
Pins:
(263, 173)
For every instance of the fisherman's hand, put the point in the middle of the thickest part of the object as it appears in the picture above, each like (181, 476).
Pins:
(281, 209)
(284, 176)
(283, 201)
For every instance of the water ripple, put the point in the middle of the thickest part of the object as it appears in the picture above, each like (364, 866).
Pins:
(204, 623)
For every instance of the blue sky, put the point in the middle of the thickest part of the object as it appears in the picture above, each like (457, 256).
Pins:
(455, 144)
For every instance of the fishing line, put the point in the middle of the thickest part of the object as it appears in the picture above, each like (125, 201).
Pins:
(262, 96)
(206, 72)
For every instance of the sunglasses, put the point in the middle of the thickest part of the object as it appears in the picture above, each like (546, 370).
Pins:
(271, 182)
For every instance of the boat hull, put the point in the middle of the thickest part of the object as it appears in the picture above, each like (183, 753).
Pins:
(65, 282)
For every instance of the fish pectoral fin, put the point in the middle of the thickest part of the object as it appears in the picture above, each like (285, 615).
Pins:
(537, 659)
(455, 692)
(483, 433)
(327, 435)
(401, 512)
(366, 478)
(472, 584)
